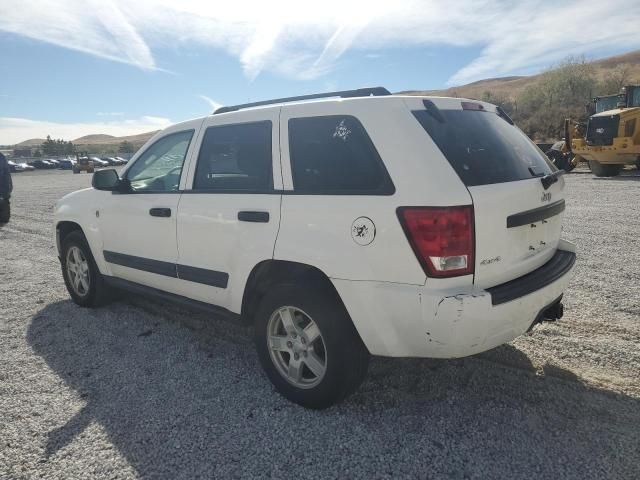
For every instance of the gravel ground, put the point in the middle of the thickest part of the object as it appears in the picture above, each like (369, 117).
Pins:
(146, 390)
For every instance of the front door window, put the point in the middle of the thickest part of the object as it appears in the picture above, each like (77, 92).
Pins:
(159, 168)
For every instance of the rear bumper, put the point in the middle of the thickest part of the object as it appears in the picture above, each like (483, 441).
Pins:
(400, 320)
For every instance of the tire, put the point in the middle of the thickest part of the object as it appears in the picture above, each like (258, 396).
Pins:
(600, 170)
(337, 346)
(94, 292)
(5, 211)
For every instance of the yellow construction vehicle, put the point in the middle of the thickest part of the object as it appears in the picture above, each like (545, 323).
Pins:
(611, 137)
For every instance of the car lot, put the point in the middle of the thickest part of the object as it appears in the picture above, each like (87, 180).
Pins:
(146, 390)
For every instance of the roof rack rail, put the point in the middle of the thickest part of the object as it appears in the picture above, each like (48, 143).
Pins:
(359, 92)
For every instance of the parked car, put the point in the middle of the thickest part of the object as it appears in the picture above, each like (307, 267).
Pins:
(111, 161)
(14, 167)
(67, 164)
(24, 167)
(42, 164)
(98, 162)
(399, 226)
(53, 162)
(122, 161)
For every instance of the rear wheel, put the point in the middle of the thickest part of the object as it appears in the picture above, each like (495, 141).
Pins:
(84, 281)
(308, 345)
(600, 170)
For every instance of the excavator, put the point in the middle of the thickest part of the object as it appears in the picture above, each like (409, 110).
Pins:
(610, 139)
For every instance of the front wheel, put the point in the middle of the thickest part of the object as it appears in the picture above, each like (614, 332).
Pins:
(308, 346)
(600, 170)
(82, 278)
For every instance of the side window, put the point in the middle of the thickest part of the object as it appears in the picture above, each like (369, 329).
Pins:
(334, 155)
(235, 157)
(158, 169)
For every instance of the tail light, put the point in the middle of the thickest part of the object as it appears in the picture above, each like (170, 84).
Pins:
(441, 237)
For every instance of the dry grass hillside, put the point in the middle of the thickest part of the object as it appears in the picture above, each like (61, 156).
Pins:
(100, 139)
(512, 87)
(32, 142)
(95, 140)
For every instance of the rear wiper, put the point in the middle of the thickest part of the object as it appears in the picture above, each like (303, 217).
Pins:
(551, 178)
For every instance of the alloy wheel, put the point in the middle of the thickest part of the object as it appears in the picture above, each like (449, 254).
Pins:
(296, 347)
(78, 271)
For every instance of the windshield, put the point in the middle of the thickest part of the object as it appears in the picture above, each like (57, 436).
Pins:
(604, 104)
(482, 147)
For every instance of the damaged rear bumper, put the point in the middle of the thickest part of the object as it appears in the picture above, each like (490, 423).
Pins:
(414, 321)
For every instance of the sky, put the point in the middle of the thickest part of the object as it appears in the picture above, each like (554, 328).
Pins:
(69, 68)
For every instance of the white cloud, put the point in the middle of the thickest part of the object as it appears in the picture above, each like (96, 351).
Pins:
(291, 39)
(212, 103)
(15, 130)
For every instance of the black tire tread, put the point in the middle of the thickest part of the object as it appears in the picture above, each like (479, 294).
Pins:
(600, 170)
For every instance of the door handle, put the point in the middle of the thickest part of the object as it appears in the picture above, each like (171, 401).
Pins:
(254, 217)
(160, 212)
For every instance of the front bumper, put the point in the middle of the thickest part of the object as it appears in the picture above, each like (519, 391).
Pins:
(399, 320)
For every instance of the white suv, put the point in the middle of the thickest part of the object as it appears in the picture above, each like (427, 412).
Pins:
(357, 223)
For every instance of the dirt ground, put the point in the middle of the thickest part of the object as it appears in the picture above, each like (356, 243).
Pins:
(140, 389)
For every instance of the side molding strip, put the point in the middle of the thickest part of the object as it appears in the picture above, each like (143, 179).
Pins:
(139, 263)
(168, 269)
(202, 275)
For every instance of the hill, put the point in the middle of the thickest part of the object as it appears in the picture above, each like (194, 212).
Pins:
(511, 87)
(101, 139)
(32, 142)
(97, 138)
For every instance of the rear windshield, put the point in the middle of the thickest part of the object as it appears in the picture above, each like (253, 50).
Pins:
(482, 147)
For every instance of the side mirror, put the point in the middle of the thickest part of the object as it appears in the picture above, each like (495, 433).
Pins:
(106, 180)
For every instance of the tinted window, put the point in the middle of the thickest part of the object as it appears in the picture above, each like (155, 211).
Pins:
(635, 97)
(235, 157)
(158, 169)
(334, 155)
(482, 147)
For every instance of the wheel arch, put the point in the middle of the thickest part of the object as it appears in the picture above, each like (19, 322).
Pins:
(64, 228)
(271, 272)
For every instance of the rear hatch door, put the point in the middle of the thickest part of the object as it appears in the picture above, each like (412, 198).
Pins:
(517, 219)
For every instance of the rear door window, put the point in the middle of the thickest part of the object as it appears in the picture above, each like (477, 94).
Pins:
(482, 147)
(235, 158)
(333, 155)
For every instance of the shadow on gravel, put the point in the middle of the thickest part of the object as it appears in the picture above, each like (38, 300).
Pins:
(182, 396)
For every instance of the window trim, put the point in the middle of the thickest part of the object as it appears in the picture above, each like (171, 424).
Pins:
(182, 172)
(386, 188)
(211, 191)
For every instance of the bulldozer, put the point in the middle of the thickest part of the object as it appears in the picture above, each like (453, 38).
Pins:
(83, 164)
(610, 139)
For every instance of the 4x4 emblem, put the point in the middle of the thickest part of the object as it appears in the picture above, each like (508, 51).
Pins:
(546, 197)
